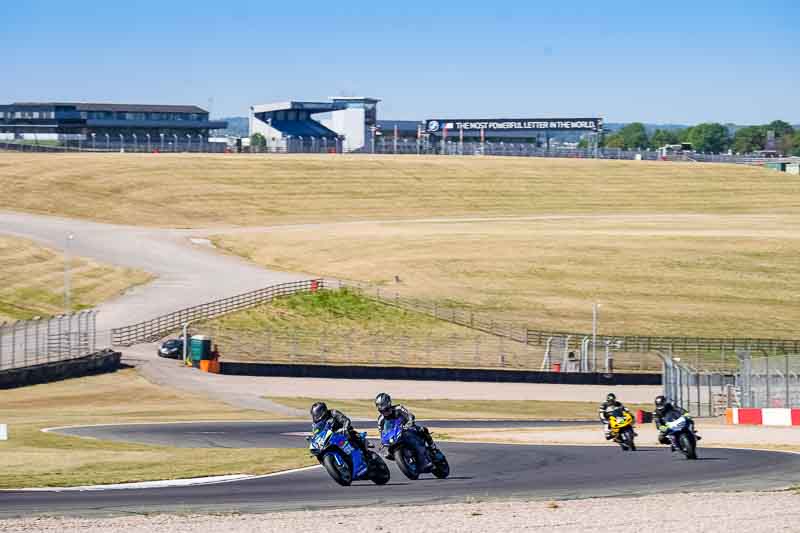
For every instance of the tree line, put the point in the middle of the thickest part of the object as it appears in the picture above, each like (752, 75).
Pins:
(709, 137)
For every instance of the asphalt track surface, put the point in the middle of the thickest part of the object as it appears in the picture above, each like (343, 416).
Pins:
(479, 471)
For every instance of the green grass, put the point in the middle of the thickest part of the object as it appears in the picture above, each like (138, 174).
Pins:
(325, 312)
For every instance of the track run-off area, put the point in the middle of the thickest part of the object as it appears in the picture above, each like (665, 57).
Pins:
(479, 471)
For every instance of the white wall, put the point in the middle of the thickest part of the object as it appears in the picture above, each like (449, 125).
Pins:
(274, 137)
(350, 123)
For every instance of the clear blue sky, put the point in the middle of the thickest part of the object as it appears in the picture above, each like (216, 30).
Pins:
(681, 62)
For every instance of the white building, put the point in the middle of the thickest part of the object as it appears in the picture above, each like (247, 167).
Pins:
(346, 124)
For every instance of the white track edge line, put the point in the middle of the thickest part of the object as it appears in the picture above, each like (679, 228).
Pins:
(169, 483)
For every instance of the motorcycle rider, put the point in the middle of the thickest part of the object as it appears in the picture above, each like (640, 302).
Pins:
(666, 412)
(388, 411)
(606, 408)
(321, 413)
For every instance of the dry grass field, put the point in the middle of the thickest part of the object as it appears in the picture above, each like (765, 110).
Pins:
(696, 275)
(666, 248)
(32, 280)
(31, 458)
(182, 190)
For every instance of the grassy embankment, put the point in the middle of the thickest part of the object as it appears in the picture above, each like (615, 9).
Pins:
(342, 327)
(32, 280)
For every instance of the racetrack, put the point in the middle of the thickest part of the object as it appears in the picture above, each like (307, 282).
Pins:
(479, 471)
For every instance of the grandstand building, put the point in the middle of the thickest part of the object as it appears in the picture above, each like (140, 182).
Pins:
(345, 122)
(48, 121)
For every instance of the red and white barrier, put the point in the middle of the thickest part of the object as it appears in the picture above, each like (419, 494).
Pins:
(763, 417)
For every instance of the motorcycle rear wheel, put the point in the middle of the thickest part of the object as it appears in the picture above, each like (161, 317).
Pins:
(379, 472)
(407, 462)
(340, 474)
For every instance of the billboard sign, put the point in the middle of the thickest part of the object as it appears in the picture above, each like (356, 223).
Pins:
(515, 124)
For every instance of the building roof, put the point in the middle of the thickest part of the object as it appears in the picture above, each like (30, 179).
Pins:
(302, 128)
(124, 108)
(311, 107)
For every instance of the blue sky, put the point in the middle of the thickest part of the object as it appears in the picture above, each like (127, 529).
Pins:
(680, 62)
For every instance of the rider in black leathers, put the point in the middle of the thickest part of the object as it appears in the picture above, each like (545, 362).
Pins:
(606, 408)
(321, 413)
(387, 411)
(666, 412)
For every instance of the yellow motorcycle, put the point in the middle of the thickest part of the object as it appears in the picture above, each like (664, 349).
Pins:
(620, 423)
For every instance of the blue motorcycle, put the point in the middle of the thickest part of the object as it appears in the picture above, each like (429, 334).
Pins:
(410, 451)
(345, 462)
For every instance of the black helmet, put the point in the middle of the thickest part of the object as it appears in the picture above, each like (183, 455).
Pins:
(383, 402)
(661, 403)
(319, 412)
(611, 397)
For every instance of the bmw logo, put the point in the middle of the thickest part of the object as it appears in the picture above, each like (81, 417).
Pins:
(433, 125)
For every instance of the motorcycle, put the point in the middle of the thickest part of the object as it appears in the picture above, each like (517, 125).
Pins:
(405, 446)
(620, 424)
(343, 461)
(683, 430)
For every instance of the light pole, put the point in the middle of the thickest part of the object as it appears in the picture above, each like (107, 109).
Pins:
(188, 142)
(175, 146)
(121, 143)
(148, 141)
(199, 142)
(108, 142)
(135, 143)
(67, 266)
(162, 141)
(94, 141)
(595, 309)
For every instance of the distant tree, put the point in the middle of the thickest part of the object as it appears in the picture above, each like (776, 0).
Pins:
(615, 140)
(780, 127)
(634, 136)
(258, 141)
(709, 137)
(749, 139)
(794, 149)
(662, 138)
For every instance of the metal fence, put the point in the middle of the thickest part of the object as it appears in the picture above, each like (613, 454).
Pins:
(612, 352)
(769, 381)
(702, 393)
(381, 146)
(344, 348)
(33, 342)
(156, 328)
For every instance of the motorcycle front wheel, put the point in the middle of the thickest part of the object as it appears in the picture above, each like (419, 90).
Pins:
(627, 440)
(407, 462)
(688, 446)
(441, 468)
(341, 474)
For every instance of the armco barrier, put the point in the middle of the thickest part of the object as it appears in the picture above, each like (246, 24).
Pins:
(156, 328)
(96, 363)
(435, 374)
